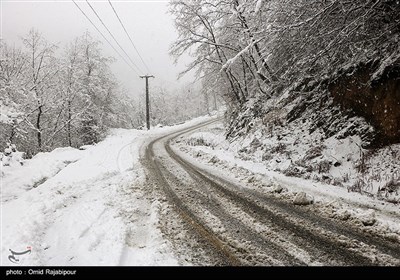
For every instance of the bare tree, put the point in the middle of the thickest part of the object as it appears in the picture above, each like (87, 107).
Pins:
(40, 80)
(264, 48)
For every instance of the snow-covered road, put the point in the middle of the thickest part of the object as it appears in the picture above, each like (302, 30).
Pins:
(233, 223)
(144, 198)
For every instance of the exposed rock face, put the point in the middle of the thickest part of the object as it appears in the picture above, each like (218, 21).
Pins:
(378, 101)
(317, 107)
(362, 101)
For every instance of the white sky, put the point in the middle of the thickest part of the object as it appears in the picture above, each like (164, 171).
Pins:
(60, 21)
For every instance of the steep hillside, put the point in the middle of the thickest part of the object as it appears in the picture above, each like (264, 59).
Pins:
(343, 132)
(311, 90)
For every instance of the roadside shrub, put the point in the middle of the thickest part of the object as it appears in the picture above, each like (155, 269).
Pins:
(313, 152)
(323, 166)
(11, 156)
(293, 171)
(199, 141)
(390, 187)
(279, 149)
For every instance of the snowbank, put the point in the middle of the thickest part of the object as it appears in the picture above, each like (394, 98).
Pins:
(82, 207)
(262, 161)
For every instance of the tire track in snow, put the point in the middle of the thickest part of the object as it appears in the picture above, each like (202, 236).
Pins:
(308, 231)
(285, 215)
(204, 232)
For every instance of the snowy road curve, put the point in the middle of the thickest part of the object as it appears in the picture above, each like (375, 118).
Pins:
(213, 221)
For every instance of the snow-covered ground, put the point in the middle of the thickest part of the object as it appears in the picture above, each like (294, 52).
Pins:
(242, 161)
(84, 207)
(92, 206)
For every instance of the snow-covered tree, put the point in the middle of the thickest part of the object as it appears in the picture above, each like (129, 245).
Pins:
(174, 107)
(12, 98)
(261, 49)
(40, 83)
(50, 100)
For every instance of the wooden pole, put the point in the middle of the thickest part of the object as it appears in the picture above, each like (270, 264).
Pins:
(147, 100)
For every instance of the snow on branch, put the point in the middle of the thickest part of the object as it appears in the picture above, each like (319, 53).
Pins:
(232, 60)
(389, 61)
(258, 6)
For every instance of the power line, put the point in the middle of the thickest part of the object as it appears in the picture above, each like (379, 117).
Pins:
(130, 39)
(112, 36)
(104, 37)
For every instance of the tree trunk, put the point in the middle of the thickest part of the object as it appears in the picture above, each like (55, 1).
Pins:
(13, 131)
(39, 132)
(69, 123)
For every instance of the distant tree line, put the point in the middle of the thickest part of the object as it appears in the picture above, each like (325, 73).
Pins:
(53, 97)
(175, 107)
(51, 101)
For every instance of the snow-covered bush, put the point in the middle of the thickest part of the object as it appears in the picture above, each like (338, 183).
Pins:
(11, 156)
(391, 189)
(293, 171)
(198, 141)
(313, 152)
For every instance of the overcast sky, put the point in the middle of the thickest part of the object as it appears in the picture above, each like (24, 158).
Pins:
(60, 21)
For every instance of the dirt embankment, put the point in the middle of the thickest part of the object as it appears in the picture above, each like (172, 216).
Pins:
(378, 100)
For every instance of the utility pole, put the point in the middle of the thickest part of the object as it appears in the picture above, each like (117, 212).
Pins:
(147, 100)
